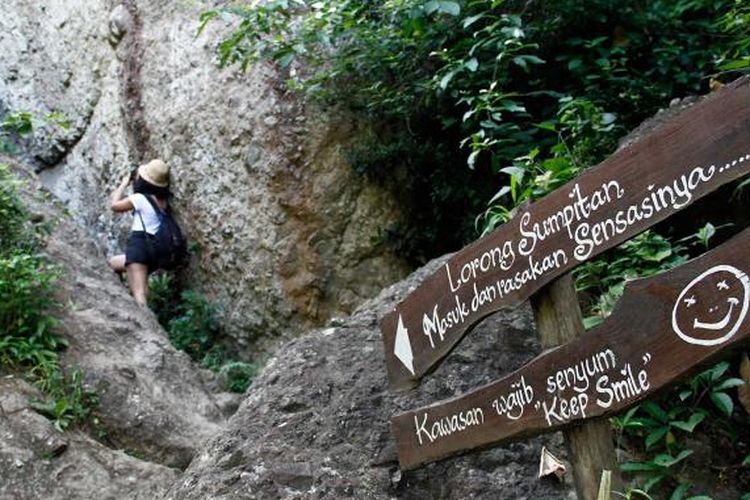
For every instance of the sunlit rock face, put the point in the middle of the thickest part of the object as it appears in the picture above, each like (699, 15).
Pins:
(285, 233)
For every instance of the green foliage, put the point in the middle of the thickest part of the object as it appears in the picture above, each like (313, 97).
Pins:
(238, 375)
(369, 55)
(192, 324)
(28, 341)
(702, 237)
(433, 204)
(195, 326)
(533, 93)
(67, 401)
(736, 25)
(26, 288)
(603, 279)
(13, 215)
(712, 383)
(584, 132)
(660, 428)
(23, 123)
(163, 297)
(26, 285)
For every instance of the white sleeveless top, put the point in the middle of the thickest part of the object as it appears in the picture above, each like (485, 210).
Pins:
(144, 208)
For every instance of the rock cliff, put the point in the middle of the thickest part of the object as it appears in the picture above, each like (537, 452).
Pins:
(313, 425)
(285, 233)
(316, 423)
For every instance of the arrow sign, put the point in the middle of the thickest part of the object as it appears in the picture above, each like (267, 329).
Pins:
(402, 349)
(705, 147)
(663, 327)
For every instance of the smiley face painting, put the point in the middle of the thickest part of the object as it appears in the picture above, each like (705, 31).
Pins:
(712, 307)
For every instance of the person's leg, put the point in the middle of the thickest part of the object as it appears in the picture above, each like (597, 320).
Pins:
(138, 282)
(117, 263)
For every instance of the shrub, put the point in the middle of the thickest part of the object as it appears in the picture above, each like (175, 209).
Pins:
(195, 327)
(13, 215)
(68, 401)
(26, 289)
(28, 341)
(237, 375)
(192, 325)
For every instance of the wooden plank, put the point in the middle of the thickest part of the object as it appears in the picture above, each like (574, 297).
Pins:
(591, 449)
(684, 159)
(663, 327)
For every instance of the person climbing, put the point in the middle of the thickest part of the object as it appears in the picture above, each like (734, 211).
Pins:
(150, 180)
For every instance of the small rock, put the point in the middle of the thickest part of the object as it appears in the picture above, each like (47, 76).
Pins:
(55, 446)
(119, 22)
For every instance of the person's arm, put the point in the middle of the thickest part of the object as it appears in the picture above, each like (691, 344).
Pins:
(115, 198)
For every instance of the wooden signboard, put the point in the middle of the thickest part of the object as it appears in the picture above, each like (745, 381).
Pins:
(663, 327)
(703, 148)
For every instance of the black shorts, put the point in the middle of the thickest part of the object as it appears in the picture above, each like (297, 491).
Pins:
(138, 252)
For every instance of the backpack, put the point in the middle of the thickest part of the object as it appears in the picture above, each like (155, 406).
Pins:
(168, 246)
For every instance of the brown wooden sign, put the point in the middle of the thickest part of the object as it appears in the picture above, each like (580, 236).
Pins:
(703, 148)
(662, 328)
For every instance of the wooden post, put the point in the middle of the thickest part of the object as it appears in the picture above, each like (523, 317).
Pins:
(590, 445)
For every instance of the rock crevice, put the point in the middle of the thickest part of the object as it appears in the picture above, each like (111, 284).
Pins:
(136, 127)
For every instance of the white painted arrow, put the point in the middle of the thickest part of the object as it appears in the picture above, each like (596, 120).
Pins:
(402, 348)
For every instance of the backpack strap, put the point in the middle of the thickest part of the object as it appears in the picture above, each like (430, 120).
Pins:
(159, 212)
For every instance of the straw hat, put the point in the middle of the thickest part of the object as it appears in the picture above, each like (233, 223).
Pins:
(155, 172)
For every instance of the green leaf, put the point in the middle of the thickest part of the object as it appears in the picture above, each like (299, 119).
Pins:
(690, 424)
(451, 8)
(471, 20)
(471, 160)
(633, 466)
(503, 191)
(546, 126)
(680, 491)
(512, 106)
(641, 493)
(729, 383)
(533, 59)
(736, 64)
(431, 6)
(520, 61)
(685, 394)
(205, 17)
(472, 64)
(666, 460)
(718, 371)
(651, 482)
(446, 79)
(655, 436)
(723, 402)
(655, 411)
(574, 64)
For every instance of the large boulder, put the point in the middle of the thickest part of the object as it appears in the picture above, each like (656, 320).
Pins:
(36, 461)
(316, 423)
(286, 234)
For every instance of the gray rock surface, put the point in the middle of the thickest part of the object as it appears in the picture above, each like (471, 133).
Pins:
(36, 461)
(315, 424)
(289, 235)
(153, 402)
